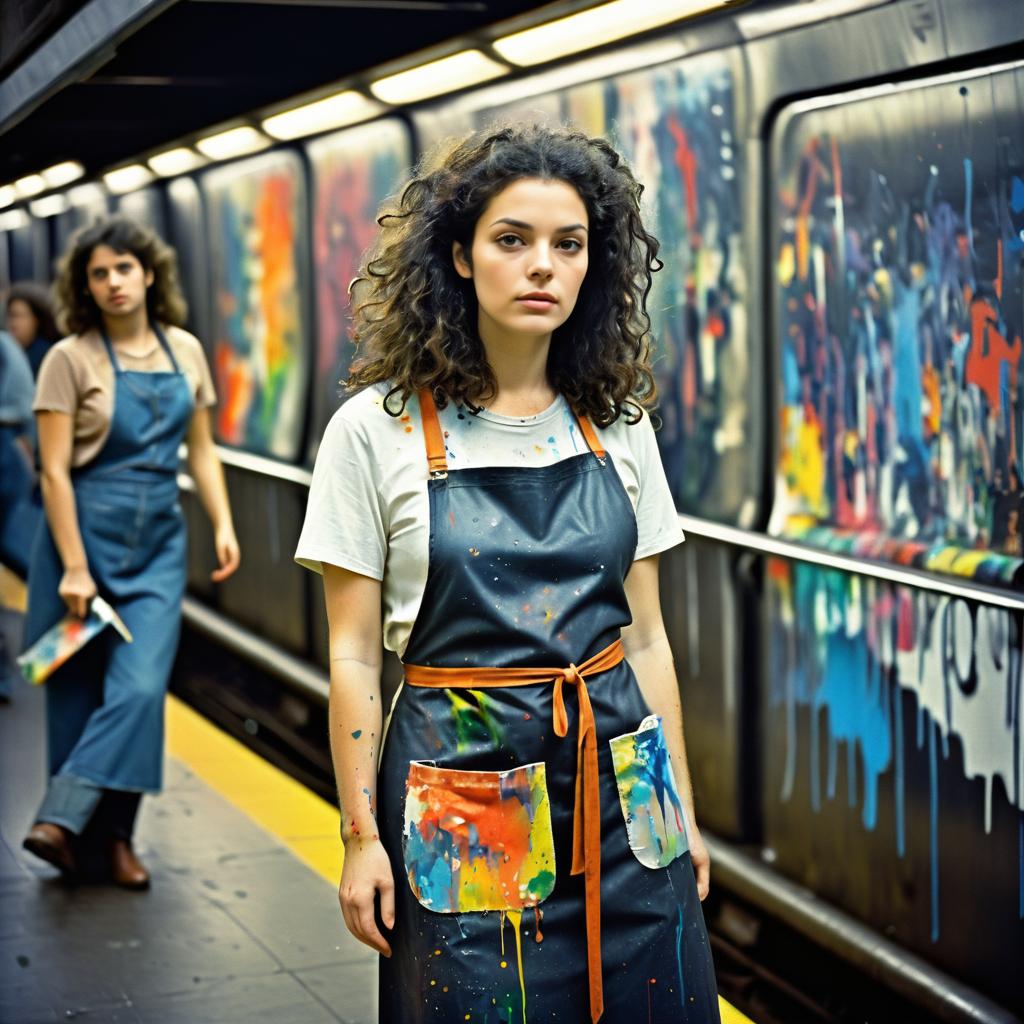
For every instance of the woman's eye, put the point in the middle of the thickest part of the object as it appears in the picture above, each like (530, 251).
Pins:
(508, 240)
(571, 244)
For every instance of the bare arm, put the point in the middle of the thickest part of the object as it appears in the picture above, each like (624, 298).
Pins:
(204, 465)
(355, 718)
(56, 434)
(648, 651)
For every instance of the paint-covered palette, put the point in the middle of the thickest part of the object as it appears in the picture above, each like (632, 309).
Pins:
(478, 840)
(655, 819)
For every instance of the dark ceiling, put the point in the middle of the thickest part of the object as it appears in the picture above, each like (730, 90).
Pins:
(197, 63)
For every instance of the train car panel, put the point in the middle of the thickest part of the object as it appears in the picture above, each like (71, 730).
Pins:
(353, 171)
(146, 205)
(186, 231)
(892, 731)
(259, 244)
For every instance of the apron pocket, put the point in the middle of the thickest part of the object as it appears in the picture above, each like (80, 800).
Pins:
(476, 840)
(655, 819)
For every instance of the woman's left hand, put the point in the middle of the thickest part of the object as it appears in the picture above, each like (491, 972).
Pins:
(228, 556)
(701, 860)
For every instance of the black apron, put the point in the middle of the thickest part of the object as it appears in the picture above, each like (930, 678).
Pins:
(477, 790)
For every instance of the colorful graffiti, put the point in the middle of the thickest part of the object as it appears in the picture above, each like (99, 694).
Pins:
(899, 294)
(655, 819)
(478, 840)
(258, 235)
(353, 172)
(849, 650)
(676, 125)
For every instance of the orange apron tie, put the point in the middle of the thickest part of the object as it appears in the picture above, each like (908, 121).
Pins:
(586, 831)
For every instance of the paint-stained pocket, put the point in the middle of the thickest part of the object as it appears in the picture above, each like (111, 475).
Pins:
(478, 840)
(655, 819)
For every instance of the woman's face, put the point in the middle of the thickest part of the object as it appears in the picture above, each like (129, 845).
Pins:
(22, 322)
(117, 281)
(528, 259)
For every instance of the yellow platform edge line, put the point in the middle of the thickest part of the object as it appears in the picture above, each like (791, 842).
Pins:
(303, 822)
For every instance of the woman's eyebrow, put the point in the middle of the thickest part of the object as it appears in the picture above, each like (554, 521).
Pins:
(529, 227)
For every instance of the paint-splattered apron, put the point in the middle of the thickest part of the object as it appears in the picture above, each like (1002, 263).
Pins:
(536, 837)
(105, 706)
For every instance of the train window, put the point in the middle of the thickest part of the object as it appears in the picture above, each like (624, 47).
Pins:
(185, 232)
(898, 289)
(23, 255)
(5, 261)
(353, 172)
(146, 206)
(677, 126)
(258, 237)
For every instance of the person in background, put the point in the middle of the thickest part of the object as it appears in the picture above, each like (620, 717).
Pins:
(31, 321)
(114, 402)
(16, 474)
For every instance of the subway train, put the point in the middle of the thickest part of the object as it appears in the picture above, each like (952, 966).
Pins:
(838, 189)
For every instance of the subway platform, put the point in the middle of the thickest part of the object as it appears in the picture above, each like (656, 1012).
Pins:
(241, 924)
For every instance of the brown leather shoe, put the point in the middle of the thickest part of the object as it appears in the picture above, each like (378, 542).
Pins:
(126, 869)
(53, 844)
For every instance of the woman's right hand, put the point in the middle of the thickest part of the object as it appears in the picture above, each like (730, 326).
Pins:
(76, 590)
(366, 872)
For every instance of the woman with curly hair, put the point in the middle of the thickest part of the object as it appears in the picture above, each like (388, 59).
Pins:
(31, 321)
(522, 844)
(113, 404)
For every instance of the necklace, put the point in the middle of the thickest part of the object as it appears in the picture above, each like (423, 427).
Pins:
(132, 354)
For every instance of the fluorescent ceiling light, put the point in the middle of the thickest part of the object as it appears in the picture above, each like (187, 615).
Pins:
(233, 142)
(49, 206)
(175, 161)
(63, 174)
(30, 185)
(127, 179)
(87, 195)
(8, 194)
(321, 115)
(595, 27)
(13, 219)
(439, 76)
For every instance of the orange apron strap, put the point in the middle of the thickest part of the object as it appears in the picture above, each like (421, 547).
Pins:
(437, 461)
(590, 435)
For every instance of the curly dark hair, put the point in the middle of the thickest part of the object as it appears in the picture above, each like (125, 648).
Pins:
(77, 310)
(417, 318)
(37, 298)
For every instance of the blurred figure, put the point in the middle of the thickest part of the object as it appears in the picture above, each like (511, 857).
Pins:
(31, 322)
(16, 512)
(114, 402)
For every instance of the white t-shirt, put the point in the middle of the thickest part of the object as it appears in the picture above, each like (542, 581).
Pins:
(368, 508)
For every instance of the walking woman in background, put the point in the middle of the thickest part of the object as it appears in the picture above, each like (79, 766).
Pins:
(30, 321)
(113, 403)
(493, 503)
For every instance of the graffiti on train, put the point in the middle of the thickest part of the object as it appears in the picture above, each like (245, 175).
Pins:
(353, 172)
(845, 646)
(676, 125)
(899, 296)
(258, 232)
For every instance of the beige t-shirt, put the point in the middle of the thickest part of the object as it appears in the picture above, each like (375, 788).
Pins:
(77, 378)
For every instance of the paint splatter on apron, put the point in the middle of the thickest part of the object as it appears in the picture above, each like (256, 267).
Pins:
(525, 797)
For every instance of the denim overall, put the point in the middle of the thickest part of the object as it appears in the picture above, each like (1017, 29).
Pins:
(105, 706)
(526, 569)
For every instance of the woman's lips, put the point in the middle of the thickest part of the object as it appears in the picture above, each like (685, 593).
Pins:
(540, 304)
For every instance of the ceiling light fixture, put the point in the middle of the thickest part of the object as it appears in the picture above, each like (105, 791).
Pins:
(30, 185)
(127, 179)
(596, 27)
(336, 111)
(13, 219)
(175, 161)
(63, 174)
(470, 67)
(8, 195)
(89, 194)
(49, 206)
(233, 142)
